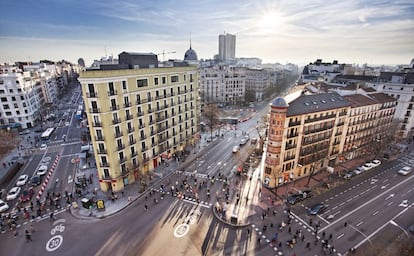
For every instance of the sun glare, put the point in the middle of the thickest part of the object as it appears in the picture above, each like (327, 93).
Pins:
(270, 21)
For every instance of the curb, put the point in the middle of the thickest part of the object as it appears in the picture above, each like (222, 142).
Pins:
(49, 174)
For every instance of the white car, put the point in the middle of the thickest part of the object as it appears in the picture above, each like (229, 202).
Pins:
(22, 180)
(358, 170)
(236, 149)
(42, 170)
(3, 206)
(375, 163)
(43, 147)
(13, 193)
(405, 170)
(367, 166)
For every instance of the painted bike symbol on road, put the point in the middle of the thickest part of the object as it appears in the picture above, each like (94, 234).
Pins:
(59, 228)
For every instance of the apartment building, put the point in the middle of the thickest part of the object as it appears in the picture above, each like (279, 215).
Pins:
(21, 96)
(315, 131)
(139, 117)
(222, 84)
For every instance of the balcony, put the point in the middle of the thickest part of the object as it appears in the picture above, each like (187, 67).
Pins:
(105, 177)
(142, 126)
(116, 121)
(310, 120)
(143, 137)
(145, 159)
(290, 146)
(129, 117)
(92, 95)
(101, 151)
(293, 134)
(140, 114)
(114, 108)
(99, 138)
(137, 102)
(131, 129)
(143, 149)
(96, 124)
(94, 110)
(118, 134)
(123, 160)
(132, 142)
(134, 154)
(104, 164)
(150, 111)
(120, 147)
(127, 105)
(294, 123)
(112, 93)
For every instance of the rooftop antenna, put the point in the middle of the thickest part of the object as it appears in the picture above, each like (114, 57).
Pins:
(190, 40)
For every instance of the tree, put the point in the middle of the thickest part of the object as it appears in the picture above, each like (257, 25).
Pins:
(250, 96)
(261, 128)
(211, 117)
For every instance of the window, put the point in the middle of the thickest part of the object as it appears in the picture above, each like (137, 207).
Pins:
(3, 99)
(142, 82)
(164, 80)
(124, 85)
(156, 80)
(174, 79)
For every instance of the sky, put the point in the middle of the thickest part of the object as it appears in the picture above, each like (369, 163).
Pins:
(283, 31)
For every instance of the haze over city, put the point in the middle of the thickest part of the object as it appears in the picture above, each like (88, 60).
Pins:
(355, 31)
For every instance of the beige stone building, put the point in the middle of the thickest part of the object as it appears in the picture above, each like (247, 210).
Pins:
(313, 132)
(138, 118)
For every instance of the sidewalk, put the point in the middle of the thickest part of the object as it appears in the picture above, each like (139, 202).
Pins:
(132, 191)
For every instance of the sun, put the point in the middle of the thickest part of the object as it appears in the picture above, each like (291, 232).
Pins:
(270, 20)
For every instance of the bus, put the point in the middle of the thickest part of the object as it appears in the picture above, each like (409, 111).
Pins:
(46, 134)
(78, 115)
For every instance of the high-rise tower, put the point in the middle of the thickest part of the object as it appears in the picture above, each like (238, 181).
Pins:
(227, 47)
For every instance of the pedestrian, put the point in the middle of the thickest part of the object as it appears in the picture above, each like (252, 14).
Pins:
(307, 245)
(52, 216)
(280, 245)
(290, 230)
(323, 234)
(28, 235)
(248, 232)
(345, 224)
(259, 240)
(146, 207)
(303, 238)
(330, 236)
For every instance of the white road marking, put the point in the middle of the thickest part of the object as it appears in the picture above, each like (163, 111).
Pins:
(375, 213)
(341, 235)
(359, 224)
(390, 203)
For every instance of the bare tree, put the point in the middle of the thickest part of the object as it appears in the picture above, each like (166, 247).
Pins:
(211, 117)
(261, 129)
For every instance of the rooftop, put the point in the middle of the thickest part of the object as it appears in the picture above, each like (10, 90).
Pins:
(306, 104)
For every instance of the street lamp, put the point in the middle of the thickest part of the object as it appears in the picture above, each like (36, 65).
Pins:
(395, 224)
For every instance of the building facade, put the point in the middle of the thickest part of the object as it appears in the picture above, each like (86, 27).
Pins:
(138, 118)
(313, 132)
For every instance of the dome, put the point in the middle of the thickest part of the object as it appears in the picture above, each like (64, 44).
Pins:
(280, 103)
(190, 54)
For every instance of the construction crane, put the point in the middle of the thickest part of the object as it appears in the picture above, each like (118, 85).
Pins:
(163, 54)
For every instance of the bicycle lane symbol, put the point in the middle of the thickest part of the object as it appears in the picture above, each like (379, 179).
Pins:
(56, 241)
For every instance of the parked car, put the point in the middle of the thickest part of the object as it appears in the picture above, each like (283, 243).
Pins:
(27, 194)
(405, 170)
(302, 195)
(317, 208)
(349, 174)
(236, 149)
(36, 180)
(13, 193)
(42, 170)
(375, 163)
(43, 147)
(367, 166)
(3, 206)
(21, 181)
(358, 171)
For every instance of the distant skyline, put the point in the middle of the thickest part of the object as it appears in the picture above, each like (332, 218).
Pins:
(351, 31)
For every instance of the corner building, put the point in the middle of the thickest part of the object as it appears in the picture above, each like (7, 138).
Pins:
(314, 132)
(138, 118)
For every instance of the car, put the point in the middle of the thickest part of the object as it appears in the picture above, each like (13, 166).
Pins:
(349, 174)
(243, 141)
(3, 206)
(22, 180)
(27, 194)
(375, 163)
(236, 149)
(358, 171)
(367, 166)
(36, 180)
(293, 199)
(42, 170)
(43, 147)
(13, 193)
(317, 208)
(405, 170)
(302, 195)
